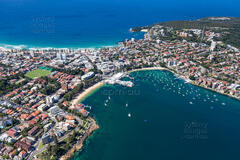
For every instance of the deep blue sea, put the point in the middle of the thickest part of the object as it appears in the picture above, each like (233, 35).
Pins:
(95, 23)
(169, 120)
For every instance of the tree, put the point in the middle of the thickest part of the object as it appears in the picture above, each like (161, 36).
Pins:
(68, 96)
(55, 140)
(192, 78)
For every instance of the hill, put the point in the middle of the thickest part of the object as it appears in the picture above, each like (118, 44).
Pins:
(229, 27)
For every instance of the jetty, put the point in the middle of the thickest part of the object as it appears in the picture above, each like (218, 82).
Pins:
(115, 79)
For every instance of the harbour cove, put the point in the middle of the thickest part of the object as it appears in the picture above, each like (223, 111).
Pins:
(156, 112)
(169, 119)
(119, 80)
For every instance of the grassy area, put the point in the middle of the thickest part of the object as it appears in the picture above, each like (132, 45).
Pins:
(37, 73)
(41, 145)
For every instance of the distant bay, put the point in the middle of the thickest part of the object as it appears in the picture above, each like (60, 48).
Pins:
(94, 23)
(162, 117)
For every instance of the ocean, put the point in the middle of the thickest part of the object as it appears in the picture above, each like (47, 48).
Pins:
(94, 23)
(162, 117)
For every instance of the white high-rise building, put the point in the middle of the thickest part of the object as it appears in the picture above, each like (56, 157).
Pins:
(61, 56)
(64, 56)
(213, 45)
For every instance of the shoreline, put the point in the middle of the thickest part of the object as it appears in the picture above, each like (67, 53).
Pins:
(150, 68)
(98, 85)
(86, 93)
(192, 82)
(79, 144)
(8, 47)
(213, 90)
(80, 97)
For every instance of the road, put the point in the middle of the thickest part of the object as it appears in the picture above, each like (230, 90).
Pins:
(38, 151)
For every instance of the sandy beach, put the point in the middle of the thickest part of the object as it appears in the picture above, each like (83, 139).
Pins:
(150, 68)
(94, 126)
(86, 92)
(89, 90)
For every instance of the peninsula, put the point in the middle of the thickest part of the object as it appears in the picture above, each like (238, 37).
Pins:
(41, 90)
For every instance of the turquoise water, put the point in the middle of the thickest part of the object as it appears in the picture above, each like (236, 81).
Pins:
(169, 120)
(94, 23)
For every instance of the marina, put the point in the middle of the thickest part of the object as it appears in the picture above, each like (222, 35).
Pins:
(77, 84)
(154, 113)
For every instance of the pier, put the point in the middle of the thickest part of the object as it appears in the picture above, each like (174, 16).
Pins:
(115, 79)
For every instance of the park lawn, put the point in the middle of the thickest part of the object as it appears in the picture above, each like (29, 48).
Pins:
(37, 73)
(41, 145)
